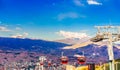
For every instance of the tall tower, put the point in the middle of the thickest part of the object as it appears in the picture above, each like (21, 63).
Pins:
(111, 34)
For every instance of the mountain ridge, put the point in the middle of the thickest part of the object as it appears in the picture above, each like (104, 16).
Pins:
(54, 49)
(18, 43)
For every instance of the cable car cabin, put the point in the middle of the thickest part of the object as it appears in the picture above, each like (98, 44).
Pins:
(64, 60)
(49, 63)
(81, 59)
(97, 38)
(41, 63)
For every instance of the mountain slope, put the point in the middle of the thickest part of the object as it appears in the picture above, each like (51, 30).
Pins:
(93, 52)
(50, 48)
(72, 40)
(28, 44)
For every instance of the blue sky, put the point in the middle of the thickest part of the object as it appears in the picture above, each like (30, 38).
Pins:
(56, 19)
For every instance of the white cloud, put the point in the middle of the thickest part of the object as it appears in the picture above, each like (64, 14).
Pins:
(71, 15)
(4, 29)
(67, 15)
(83, 2)
(93, 2)
(24, 35)
(18, 28)
(72, 34)
(78, 2)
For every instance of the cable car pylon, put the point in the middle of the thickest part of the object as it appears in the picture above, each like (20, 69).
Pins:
(106, 33)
